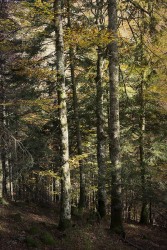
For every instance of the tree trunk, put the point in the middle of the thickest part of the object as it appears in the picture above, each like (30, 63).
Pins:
(82, 199)
(3, 190)
(2, 142)
(101, 139)
(65, 212)
(144, 217)
(114, 126)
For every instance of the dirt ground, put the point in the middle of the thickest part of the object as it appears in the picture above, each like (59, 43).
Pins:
(27, 226)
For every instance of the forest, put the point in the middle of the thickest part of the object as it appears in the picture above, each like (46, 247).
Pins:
(83, 111)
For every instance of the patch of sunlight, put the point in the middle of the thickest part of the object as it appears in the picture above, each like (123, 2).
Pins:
(132, 226)
(4, 229)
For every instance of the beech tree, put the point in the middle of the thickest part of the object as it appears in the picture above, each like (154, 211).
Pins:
(114, 123)
(65, 212)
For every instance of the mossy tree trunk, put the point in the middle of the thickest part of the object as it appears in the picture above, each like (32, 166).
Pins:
(65, 212)
(114, 125)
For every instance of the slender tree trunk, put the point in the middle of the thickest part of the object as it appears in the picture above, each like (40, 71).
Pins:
(2, 97)
(114, 126)
(101, 139)
(2, 140)
(65, 213)
(144, 217)
(3, 149)
(1, 178)
(4, 169)
(82, 199)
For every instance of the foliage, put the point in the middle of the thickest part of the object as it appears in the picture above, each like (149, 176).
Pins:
(31, 131)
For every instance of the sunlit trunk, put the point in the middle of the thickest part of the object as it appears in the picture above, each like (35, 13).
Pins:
(65, 213)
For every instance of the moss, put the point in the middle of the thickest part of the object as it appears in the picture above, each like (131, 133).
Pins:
(47, 239)
(34, 230)
(80, 236)
(31, 242)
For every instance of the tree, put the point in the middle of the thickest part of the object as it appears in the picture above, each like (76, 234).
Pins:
(114, 126)
(101, 136)
(3, 71)
(65, 212)
(138, 107)
(82, 197)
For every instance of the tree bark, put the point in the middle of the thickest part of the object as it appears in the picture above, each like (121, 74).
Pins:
(101, 139)
(144, 217)
(114, 125)
(82, 198)
(65, 212)
(3, 189)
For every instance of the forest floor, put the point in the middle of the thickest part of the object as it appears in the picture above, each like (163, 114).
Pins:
(27, 226)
